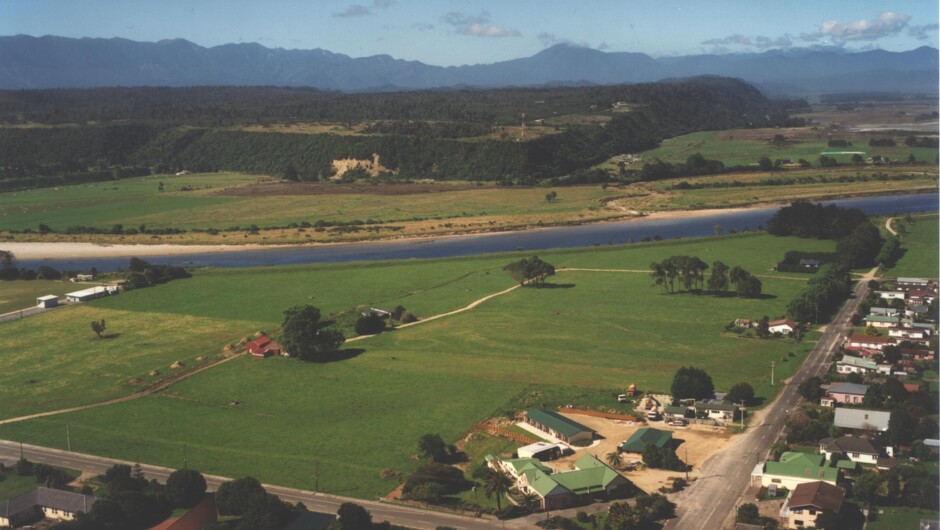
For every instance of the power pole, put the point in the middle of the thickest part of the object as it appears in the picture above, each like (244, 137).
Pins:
(68, 437)
(317, 487)
(772, 373)
(185, 466)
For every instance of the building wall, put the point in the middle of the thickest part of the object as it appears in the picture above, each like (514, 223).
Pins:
(787, 482)
(839, 397)
(806, 518)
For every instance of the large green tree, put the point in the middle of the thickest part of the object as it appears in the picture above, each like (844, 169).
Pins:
(185, 487)
(691, 382)
(234, 496)
(532, 271)
(304, 335)
(496, 483)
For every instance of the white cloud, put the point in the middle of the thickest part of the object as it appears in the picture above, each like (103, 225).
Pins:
(736, 39)
(477, 26)
(885, 24)
(360, 10)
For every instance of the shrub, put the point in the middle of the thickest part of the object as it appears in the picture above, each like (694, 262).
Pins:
(370, 325)
(408, 317)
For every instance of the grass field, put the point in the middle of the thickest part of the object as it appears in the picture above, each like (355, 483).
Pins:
(22, 294)
(900, 518)
(921, 246)
(223, 201)
(745, 147)
(591, 334)
(13, 484)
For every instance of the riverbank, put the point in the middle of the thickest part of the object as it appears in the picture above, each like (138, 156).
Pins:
(38, 250)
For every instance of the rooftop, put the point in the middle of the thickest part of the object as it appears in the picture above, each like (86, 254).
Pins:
(861, 419)
(802, 465)
(643, 436)
(817, 494)
(556, 421)
(848, 388)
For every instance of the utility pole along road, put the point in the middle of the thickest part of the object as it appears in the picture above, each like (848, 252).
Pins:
(711, 501)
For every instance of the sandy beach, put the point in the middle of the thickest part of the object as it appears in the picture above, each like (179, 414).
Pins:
(37, 250)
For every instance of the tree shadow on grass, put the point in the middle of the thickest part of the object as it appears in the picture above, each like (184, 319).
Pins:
(556, 286)
(339, 355)
(110, 335)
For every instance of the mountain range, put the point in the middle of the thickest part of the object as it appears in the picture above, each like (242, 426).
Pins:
(28, 62)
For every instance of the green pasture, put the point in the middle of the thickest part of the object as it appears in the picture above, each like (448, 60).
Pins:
(920, 246)
(22, 294)
(575, 342)
(746, 147)
(137, 201)
(744, 190)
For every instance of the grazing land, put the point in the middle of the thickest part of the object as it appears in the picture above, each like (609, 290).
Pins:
(744, 147)
(220, 208)
(920, 249)
(19, 295)
(275, 419)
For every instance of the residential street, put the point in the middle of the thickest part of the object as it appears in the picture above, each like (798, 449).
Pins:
(711, 502)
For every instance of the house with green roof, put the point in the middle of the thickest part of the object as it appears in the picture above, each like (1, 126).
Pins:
(794, 469)
(643, 436)
(590, 479)
(553, 423)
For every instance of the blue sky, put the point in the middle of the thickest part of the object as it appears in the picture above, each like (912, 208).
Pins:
(455, 32)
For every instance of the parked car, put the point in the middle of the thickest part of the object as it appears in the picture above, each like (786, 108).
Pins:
(622, 398)
(678, 422)
(652, 415)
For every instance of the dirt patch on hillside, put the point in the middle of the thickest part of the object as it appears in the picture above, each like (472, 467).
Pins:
(314, 188)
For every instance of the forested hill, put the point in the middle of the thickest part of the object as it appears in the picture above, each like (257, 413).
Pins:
(28, 62)
(50, 137)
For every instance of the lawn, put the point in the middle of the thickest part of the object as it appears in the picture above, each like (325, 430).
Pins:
(920, 249)
(900, 518)
(22, 294)
(577, 342)
(13, 484)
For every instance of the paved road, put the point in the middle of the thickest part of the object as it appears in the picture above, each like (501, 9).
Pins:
(318, 502)
(712, 500)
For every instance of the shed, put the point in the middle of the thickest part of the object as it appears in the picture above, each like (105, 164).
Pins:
(541, 451)
(50, 300)
(87, 294)
(566, 430)
(262, 347)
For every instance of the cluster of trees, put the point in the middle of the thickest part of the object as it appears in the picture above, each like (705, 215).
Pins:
(695, 165)
(643, 515)
(690, 382)
(690, 271)
(9, 271)
(140, 273)
(531, 271)
(417, 134)
(255, 507)
(130, 502)
(806, 219)
(305, 336)
(921, 141)
(911, 486)
(822, 295)
(748, 513)
(789, 180)
(791, 260)
(662, 458)
(432, 481)
(351, 516)
(46, 475)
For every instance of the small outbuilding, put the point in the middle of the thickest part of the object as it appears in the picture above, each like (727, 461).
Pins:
(541, 451)
(644, 436)
(50, 300)
(262, 347)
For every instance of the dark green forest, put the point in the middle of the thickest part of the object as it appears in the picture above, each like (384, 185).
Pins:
(51, 137)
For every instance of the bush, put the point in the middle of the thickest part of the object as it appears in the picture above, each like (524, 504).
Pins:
(185, 487)
(408, 317)
(370, 325)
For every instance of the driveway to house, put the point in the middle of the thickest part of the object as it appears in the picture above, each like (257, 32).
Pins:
(712, 501)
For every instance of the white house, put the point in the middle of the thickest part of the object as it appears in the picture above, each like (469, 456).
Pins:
(859, 450)
(784, 326)
(855, 365)
(892, 295)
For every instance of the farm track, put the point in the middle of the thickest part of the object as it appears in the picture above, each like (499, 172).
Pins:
(162, 385)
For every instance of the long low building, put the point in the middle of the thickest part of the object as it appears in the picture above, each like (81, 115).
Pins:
(553, 423)
(45, 502)
(91, 293)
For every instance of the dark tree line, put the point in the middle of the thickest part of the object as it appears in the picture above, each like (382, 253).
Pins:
(805, 219)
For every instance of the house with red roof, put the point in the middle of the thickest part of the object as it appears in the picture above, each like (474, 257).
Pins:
(784, 326)
(262, 347)
(865, 342)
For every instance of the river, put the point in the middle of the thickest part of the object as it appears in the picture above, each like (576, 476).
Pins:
(473, 244)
